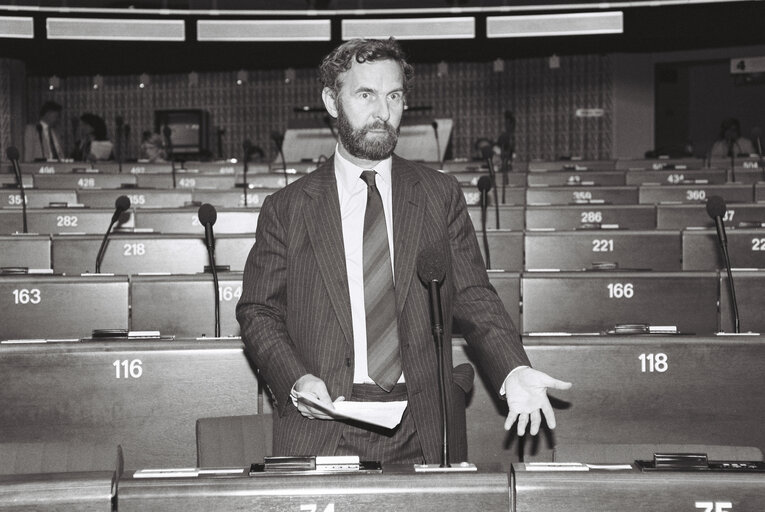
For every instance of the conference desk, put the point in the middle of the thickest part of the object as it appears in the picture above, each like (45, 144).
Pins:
(588, 216)
(37, 198)
(147, 394)
(701, 249)
(84, 180)
(83, 491)
(139, 198)
(573, 177)
(63, 220)
(395, 488)
(581, 195)
(681, 177)
(604, 490)
(682, 193)
(682, 216)
(571, 165)
(142, 394)
(186, 220)
(136, 253)
(24, 250)
(186, 180)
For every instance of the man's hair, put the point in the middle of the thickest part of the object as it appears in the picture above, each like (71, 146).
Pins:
(97, 123)
(341, 59)
(49, 106)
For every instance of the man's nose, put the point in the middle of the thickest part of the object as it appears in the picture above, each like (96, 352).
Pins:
(382, 109)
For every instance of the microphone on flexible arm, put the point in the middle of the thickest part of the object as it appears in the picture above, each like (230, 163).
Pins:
(716, 209)
(247, 147)
(207, 217)
(434, 124)
(506, 143)
(484, 185)
(120, 206)
(167, 132)
(431, 269)
(13, 155)
(278, 139)
(757, 136)
(120, 124)
(488, 153)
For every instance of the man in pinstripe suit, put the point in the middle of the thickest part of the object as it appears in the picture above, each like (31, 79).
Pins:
(305, 305)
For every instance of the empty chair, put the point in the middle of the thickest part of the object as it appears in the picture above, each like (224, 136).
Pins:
(581, 195)
(682, 216)
(579, 250)
(749, 287)
(39, 306)
(233, 441)
(586, 302)
(655, 194)
(183, 305)
(139, 198)
(30, 251)
(186, 220)
(701, 249)
(590, 216)
(148, 253)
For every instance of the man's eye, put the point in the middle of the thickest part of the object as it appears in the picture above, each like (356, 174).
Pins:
(365, 95)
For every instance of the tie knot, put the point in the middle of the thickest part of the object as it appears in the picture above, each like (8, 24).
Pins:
(369, 177)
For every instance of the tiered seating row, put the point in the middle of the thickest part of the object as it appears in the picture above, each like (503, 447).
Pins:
(182, 305)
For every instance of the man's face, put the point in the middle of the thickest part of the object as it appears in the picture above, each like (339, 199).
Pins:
(52, 118)
(368, 108)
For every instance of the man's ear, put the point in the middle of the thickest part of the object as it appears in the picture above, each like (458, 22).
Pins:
(330, 101)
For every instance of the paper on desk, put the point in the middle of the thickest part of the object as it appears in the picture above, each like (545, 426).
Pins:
(382, 414)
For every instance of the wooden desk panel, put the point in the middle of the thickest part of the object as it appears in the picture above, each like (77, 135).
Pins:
(397, 488)
(607, 491)
(81, 491)
(144, 395)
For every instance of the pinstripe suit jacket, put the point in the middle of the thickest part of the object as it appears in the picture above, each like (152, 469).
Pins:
(295, 312)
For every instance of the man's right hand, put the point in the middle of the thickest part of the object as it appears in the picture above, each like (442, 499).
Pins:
(310, 384)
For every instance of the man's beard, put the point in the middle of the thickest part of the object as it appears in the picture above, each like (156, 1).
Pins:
(379, 147)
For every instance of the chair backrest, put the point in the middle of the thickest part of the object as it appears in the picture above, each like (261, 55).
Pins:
(622, 453)
(232, 441)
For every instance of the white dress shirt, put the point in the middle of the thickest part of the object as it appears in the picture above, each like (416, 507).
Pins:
(352, 192)
(47, 134)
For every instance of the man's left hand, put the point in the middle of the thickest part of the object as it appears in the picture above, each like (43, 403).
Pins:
(526, 394)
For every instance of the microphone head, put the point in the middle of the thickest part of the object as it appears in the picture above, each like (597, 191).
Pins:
(278, 138)
(484, 183)
(122, 203)
(487, 152)
(434, 124)
(246, 145)
(431, 264)
(207, 214)
(12, 153)
(716, 206)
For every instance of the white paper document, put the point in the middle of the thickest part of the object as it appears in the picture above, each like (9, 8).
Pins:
(381, 414)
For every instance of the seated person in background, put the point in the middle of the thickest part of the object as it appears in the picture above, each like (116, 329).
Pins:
(730, 142)
(41, 140)
(152, 148)
(93, 144)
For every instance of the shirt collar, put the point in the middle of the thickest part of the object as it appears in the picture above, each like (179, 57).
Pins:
(348, 174)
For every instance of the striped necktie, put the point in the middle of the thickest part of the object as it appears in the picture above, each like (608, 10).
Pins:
(383, 358)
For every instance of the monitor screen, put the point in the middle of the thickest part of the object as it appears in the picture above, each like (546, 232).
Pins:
(188, 129)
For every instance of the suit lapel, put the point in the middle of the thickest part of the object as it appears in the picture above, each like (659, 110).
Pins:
(322, 218)
(407, 223)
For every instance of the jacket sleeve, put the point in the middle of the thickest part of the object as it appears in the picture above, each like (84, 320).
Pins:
(262, 308)
(478, 310)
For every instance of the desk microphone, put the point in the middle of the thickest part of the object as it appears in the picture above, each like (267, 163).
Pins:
(488, 155)
(247, 147)
(278, 139)
(484, 185)
(434, 124)
(120, 206)
(207, 217)
(13, 155)
(431, 269)
(716, 209)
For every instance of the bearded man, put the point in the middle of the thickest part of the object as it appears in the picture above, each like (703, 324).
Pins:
(331, 305)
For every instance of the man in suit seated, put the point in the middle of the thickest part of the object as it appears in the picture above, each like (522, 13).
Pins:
(42, 141)
(331, 304)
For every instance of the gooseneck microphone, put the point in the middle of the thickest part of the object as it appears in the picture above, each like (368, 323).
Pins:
(247, 148)
(120, 206)
(434, 124)
(278, 139)
(488, 154)
(484, 185)
(167, 132)
(716, 209)
(207, 217)
(119, 121)
(13, 155)
(431, 269)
